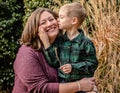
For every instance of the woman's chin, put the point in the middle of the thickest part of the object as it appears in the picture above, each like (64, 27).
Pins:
(53, 34)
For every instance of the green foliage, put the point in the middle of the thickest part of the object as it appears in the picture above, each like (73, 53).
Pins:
(10, 29)
(31, 5)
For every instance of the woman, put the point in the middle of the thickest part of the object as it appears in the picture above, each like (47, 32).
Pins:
(32, 72)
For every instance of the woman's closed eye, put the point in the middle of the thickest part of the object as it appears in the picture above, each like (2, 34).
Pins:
(45, 21)
(51, 19)
(42, 23)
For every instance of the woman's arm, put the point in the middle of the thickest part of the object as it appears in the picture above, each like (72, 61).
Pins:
(33, 73)
(85, 84)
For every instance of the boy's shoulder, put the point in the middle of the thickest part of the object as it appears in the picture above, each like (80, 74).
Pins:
(84, 38)
(87, 39)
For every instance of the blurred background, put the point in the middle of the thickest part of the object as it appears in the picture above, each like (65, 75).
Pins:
(102, 25)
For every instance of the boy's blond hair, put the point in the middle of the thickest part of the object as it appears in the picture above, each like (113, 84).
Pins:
(75, 9)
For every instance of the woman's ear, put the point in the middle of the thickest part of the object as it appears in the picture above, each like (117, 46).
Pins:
(74, 20)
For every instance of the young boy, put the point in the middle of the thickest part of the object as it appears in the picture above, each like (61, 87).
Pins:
(72, 52)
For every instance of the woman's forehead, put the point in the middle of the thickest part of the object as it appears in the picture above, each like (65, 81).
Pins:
(46, 15)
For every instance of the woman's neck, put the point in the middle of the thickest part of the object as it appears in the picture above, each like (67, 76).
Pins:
(52, 39)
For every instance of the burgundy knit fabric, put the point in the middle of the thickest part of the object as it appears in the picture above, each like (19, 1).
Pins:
(33, 74)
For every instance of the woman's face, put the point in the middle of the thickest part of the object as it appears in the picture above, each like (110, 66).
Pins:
(49, 24)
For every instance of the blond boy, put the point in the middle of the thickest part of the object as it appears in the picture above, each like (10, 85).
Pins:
(75, 56)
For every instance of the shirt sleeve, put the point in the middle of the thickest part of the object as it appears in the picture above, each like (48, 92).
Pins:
(89, 62)
(30, 71)
(51, 56)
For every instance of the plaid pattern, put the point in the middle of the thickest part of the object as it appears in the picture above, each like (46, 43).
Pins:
(79, 52)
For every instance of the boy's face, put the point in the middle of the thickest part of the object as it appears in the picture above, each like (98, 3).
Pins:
(64, 20)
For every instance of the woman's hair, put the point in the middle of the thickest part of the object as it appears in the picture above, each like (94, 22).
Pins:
(29, 35)
(75, 9)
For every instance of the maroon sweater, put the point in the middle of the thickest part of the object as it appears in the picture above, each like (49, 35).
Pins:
(33, 74)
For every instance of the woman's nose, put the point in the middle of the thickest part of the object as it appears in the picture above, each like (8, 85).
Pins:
(58, 20)
(49, 23)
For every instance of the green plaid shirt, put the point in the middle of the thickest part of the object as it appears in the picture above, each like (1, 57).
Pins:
(79, 52)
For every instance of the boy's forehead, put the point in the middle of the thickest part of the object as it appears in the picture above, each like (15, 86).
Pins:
(64, 10)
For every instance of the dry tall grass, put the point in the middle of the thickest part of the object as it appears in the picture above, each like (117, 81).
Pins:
(104, 22)
(105, 25)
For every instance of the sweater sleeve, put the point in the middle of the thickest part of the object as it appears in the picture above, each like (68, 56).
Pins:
(31, 71)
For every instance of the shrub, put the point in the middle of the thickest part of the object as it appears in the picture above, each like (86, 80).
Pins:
(10, 28)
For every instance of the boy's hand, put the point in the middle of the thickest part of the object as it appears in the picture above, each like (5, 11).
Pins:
(67, 68)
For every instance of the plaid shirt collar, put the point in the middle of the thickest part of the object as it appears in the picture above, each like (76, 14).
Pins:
(78, 39)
